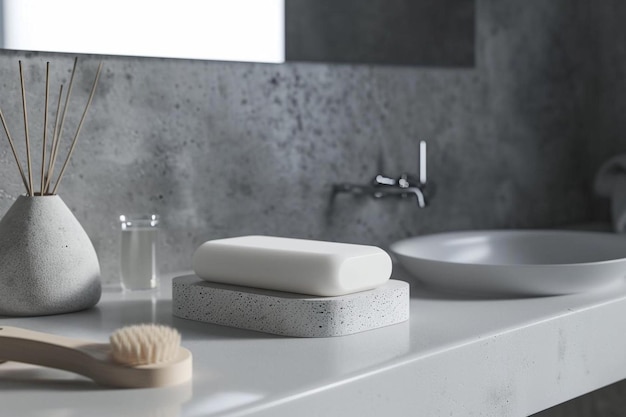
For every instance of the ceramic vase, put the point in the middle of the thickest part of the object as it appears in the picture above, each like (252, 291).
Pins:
(48, 264)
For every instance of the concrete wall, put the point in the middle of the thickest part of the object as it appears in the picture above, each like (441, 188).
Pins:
(224, 149)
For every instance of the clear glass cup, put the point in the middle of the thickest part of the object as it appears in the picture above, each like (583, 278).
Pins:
(138, 251)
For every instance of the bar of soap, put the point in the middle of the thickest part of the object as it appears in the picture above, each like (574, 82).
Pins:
(301, 266)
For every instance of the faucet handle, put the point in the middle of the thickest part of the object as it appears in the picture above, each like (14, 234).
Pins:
(422, 163)
(406, 180)
(382, 180)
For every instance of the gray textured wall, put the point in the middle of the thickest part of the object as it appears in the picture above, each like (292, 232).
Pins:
(224, 149)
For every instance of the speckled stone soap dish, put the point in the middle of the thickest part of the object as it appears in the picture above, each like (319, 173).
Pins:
(289, 314)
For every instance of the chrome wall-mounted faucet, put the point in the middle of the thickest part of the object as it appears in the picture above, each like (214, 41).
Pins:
(405, 186)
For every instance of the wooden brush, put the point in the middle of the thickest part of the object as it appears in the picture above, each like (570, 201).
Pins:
(140, 356)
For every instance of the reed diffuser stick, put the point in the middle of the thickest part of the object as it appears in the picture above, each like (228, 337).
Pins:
(47, 165)
(80, 125)
(30, 170)
(55, 142)
(65, 105)
(45, 128)
(12, 145)
(67, 97)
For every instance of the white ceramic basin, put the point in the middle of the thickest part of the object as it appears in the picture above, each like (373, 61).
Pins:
(515, 262)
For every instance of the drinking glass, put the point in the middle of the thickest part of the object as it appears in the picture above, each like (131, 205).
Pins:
(138, 255)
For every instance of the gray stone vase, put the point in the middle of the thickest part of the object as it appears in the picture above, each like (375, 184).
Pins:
(48, 265)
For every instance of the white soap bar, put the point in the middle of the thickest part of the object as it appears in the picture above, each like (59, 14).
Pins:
(311, 267)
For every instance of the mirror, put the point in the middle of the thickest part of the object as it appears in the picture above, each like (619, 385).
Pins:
(396, 32)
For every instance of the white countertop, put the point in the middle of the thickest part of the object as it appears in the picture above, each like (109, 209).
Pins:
(454, 357)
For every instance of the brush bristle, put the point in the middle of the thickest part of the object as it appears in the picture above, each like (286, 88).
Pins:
(144, 344)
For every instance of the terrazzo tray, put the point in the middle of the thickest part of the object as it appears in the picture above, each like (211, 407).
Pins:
(289, 314)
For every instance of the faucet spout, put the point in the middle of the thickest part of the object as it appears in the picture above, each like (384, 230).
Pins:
(383, 192)
(419, 196)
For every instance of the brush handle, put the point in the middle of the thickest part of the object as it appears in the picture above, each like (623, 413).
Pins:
(27, 346)
(89, 359)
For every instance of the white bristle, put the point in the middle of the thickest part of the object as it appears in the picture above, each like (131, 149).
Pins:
(144, 344)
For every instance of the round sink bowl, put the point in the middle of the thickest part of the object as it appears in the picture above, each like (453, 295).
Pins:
(515, 262)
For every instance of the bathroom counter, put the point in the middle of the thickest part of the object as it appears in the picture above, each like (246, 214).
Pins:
(453, 357)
